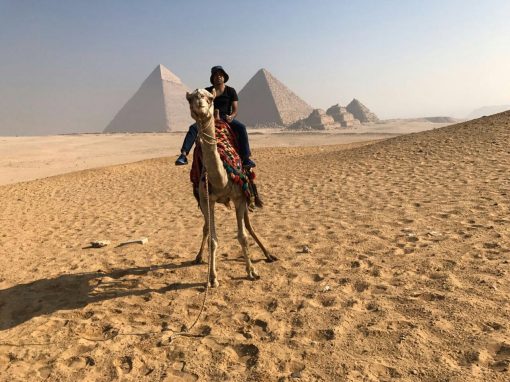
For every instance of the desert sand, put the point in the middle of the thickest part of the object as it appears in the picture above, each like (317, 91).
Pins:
(28, 158)
(394, 263)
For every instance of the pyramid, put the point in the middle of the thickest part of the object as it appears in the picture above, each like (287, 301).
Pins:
(159, 105)
(342, 116)
(361, 112)
(317, 120)
(265, 100)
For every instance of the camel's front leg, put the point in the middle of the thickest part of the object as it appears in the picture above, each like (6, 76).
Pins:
(205, 235)
(213, 277)
(243, 240)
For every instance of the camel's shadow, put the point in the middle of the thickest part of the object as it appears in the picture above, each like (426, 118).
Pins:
(22, 302)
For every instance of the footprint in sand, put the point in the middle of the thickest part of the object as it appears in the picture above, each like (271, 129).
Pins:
(501, 358)
(271, 306)
(361, 286)
(492, 326)
(182, 376)
(328, 301)
(247, 353)
(125, 364)
(406, 242)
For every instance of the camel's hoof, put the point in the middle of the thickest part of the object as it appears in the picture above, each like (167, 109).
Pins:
(270, 258)
(214, 284)
(253, 275)
(198, 260)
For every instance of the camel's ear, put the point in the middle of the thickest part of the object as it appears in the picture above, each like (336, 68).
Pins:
(188, 96)
(213, 93)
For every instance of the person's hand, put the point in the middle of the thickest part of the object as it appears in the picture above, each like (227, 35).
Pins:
(229, 118)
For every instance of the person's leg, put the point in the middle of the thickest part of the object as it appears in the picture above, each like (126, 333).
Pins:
(244, 144)
(189, 139)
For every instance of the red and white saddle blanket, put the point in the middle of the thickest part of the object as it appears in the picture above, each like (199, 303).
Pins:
(226, 142)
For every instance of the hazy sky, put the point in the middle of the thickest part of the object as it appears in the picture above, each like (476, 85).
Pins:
(70, 65)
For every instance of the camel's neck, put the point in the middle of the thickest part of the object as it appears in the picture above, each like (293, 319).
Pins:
(210, 156)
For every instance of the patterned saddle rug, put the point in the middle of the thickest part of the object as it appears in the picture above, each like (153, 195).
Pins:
(226, 143)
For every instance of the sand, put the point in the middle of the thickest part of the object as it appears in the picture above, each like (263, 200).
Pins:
(406, 277)
(28, 158)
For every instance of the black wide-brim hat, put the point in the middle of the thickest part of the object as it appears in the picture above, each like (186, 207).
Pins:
(216, 69)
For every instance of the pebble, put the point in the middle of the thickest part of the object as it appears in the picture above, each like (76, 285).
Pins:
(99, 243)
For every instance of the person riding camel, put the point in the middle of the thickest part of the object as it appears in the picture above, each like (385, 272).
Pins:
(226, 102)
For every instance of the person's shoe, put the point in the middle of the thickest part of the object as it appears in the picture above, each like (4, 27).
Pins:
(182, 160)
(248, 163)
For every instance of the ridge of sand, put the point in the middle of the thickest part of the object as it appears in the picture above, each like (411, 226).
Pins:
(407, 278)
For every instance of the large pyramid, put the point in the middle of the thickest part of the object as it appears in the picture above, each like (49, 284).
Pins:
(265, 100)
(159, 105)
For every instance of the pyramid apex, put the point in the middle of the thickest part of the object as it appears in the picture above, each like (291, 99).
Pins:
(162, 72)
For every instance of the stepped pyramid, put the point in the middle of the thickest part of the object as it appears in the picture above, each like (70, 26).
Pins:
(361, 112)
(265, 100)
(159, 105)
(317, 120)
(342, 116)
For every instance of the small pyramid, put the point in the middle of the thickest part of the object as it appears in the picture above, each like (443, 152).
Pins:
(265, 100)
(317, 120)
(342, 116)
(361, 112)
(159, 105)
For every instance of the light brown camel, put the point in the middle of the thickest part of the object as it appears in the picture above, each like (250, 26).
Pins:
(221, 187)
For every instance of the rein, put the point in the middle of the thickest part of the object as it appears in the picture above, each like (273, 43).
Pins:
(186, 332)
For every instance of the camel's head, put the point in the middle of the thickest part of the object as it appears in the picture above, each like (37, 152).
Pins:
(201, 103)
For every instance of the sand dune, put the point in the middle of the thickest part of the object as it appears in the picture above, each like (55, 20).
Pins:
(406, 278)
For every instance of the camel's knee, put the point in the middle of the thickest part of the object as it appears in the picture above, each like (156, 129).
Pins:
(243, 239)
(213, 244)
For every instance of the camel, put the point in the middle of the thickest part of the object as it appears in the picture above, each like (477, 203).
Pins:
(221, 188)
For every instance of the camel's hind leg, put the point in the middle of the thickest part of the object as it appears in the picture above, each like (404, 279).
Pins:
(243, 240)
(270, 258)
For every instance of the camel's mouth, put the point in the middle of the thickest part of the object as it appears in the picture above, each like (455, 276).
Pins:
(202, 106)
